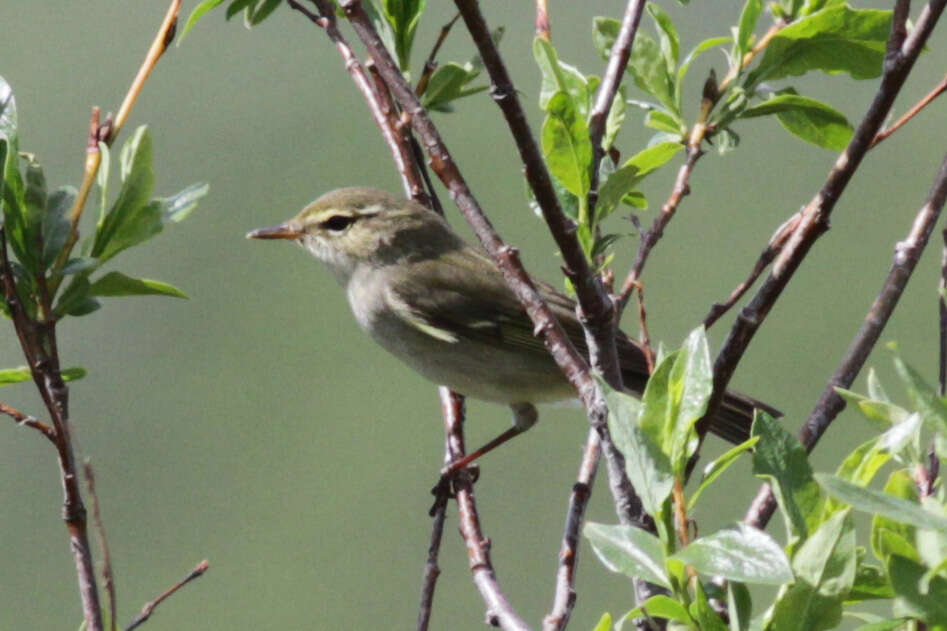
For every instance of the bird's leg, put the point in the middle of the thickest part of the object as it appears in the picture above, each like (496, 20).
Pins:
(525, 415)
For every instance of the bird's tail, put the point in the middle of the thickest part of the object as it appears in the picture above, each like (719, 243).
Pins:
(735, 417)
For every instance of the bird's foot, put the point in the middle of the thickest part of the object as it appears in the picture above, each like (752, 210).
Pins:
(445, 488)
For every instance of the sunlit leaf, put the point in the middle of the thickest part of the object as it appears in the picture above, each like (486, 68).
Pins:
(741, 553)
(628, 550)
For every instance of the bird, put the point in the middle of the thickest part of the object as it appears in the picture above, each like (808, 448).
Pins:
(443, 307)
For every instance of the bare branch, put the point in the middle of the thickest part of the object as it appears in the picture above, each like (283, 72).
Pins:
(28, 421)
(108, 577)
(942, 309)
(906, 255)
(542, 20)
(773, 248)
(500, 612)
(815, 216)
(430, 65)
(939, 89)
(149, 608)
(564, 598)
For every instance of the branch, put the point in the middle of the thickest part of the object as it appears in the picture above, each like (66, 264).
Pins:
(542, 20)
(109, 131)
(500, 612)
(815, 216)
(564, 598)
(942, 309)
(773, 248)
(108, 577)
(431, 64)
(28, 421)
(149, 608)
(830, 404)
(939, 89)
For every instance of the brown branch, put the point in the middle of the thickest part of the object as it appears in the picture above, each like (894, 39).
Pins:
(28, 421)
(565, 595)
(773, 248)
(542, 21)
(902, 53)
(108, 576)
(452, 408)
(830, 404)
(110, 130)
(149, 608)
(942, 309)
(939, 89)
(430, 65)
(500, 612)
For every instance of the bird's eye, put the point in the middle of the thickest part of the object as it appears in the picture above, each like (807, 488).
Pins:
(337, 223)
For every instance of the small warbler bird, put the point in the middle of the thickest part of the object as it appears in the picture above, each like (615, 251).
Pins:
(443, 307)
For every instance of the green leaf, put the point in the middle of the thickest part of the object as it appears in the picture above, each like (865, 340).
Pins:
(880, 412)
(566, 145)
(782, 460)
(806, 118)
(923, 397)
(261, 11)
(628, 550)
(647, 466)
(56, 224)
(739, 606)
(707, 619)
(604, 623)
(71, 300)
(871, 583)
(650, 72)
(876, 502)
(748, 20)
(859, 467)
(930, 605)
(448, 84)
(177, 207)
(131, 219)
(698, 50)
(11, 376)
(604, 33)
(825, 571)
(716, 468)
(403, 15)
(616, 116)
(196, 15)
(670, 41)
(664, 121)
(241, 5)
(834, 40)
(629, 175)
(740, 553)
(116, 284)
(560, 77)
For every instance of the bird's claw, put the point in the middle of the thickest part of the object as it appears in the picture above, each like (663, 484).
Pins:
(445, 487)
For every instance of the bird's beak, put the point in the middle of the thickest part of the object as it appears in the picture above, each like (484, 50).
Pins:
(282, 231)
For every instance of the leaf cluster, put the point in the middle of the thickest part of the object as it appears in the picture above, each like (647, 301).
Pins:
(52, 283)
(821, 572)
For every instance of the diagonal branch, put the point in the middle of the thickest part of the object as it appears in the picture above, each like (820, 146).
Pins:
(28, 421)
(150, 607)
(939, 89)
(902, 53)
(906, 255)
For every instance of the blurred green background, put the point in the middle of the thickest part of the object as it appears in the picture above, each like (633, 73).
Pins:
(254, 425)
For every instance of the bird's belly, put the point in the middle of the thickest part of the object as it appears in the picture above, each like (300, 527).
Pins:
(479, 370)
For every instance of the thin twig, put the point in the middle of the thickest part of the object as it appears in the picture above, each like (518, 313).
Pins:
(830, 404)
(773, 248)
(942, 309)
(430, 65)
(645, 337)
(939, 89)
(452, 408)
(28, 421)
(565, 595)
(542, 21)
(149, 608)
(108, 576)
(902, 53)
(108, 132)
(500, 612)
